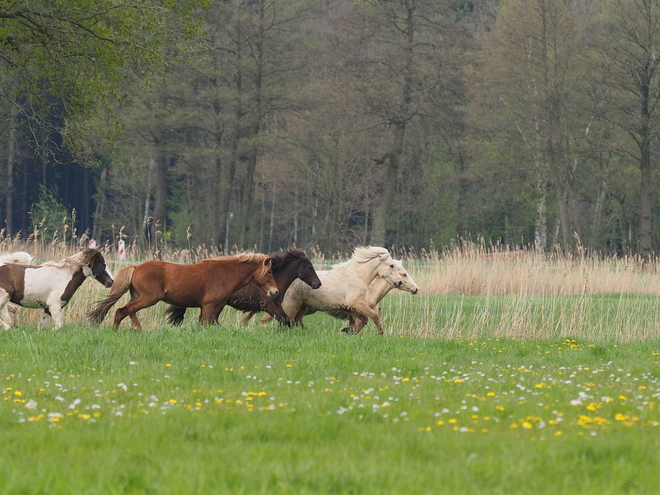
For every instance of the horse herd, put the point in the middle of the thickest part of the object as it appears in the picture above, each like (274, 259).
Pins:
(284, 284)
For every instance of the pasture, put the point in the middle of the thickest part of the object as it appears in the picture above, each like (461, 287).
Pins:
(519, 391)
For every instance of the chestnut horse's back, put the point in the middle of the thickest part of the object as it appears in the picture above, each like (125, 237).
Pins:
(206, 285)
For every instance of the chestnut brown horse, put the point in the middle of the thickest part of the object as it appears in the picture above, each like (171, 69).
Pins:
(206, 285)
(288, 265)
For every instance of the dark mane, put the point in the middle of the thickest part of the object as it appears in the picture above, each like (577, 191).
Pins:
(285, 256)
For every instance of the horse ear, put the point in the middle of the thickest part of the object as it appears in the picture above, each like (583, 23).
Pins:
(268, 261)
(94, 256)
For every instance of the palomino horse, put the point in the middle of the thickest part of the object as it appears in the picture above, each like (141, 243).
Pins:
(51, 285)
(377, 290)
(344, 287)
(206, 285)
(288, 265)
(9, 314)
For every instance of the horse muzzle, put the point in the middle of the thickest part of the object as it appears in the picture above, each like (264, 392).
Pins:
(273, 292)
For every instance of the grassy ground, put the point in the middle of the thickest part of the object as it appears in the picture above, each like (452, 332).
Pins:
(506, 375)
(257, 410)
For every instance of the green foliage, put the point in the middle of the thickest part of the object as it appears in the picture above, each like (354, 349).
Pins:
(50, 218)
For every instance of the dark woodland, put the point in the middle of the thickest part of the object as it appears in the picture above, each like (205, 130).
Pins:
(262, 124)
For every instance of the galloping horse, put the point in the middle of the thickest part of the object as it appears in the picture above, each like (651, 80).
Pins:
(206, 285)
(15, 257)
(51, 285)
(344, 287)
(288, 265)
(377, 290)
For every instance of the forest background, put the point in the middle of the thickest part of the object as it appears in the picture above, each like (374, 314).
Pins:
(265, 123)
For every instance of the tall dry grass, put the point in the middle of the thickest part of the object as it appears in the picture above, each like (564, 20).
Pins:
(553, 293)
(475, 269)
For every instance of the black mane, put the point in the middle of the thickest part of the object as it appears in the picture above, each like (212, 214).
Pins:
(286, 256)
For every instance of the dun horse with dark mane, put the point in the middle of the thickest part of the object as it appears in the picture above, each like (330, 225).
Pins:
(206, 285)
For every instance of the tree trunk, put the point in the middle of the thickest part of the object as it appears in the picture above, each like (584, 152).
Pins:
(248, 183)
(159, 223)
(399, 122)
(393, 161)
(11, 158)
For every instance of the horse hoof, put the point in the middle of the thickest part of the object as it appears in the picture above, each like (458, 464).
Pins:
(348, 330)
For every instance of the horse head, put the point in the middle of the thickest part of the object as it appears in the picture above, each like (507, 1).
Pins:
(307, 274)
(263, 278)
(408, 282)
(389, 271)
(95, 261)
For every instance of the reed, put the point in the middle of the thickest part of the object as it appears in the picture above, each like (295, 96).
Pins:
(467, 291)
(474, 269)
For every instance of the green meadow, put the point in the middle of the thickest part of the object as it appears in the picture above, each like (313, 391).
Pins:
(462, 395)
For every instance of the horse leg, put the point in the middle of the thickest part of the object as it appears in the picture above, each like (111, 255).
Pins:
(9, 314)
(245, 317)
(363, 308)
(209, 313)
(54, 311)
(298, 320)
(276, 310)
(355, 324)
(122, 313)
(4, 313)
(350, 327)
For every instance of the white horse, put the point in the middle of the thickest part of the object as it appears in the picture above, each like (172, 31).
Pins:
(377, 290)
(9, 314)
(344, 287)
(51, 285)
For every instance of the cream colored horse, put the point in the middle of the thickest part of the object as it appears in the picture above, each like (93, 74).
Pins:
(344, 287)
(377, 290)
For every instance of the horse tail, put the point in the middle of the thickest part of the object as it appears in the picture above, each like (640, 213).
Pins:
(120, 286)
(175, 314)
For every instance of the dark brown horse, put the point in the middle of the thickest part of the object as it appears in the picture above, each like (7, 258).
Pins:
(206, 285)
(288, 265)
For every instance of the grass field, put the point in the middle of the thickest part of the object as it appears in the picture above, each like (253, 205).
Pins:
(257, 410)
(508, 374)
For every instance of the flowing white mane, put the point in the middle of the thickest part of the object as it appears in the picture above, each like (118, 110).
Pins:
(363, 254)
(17, 257)
(78, 259)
